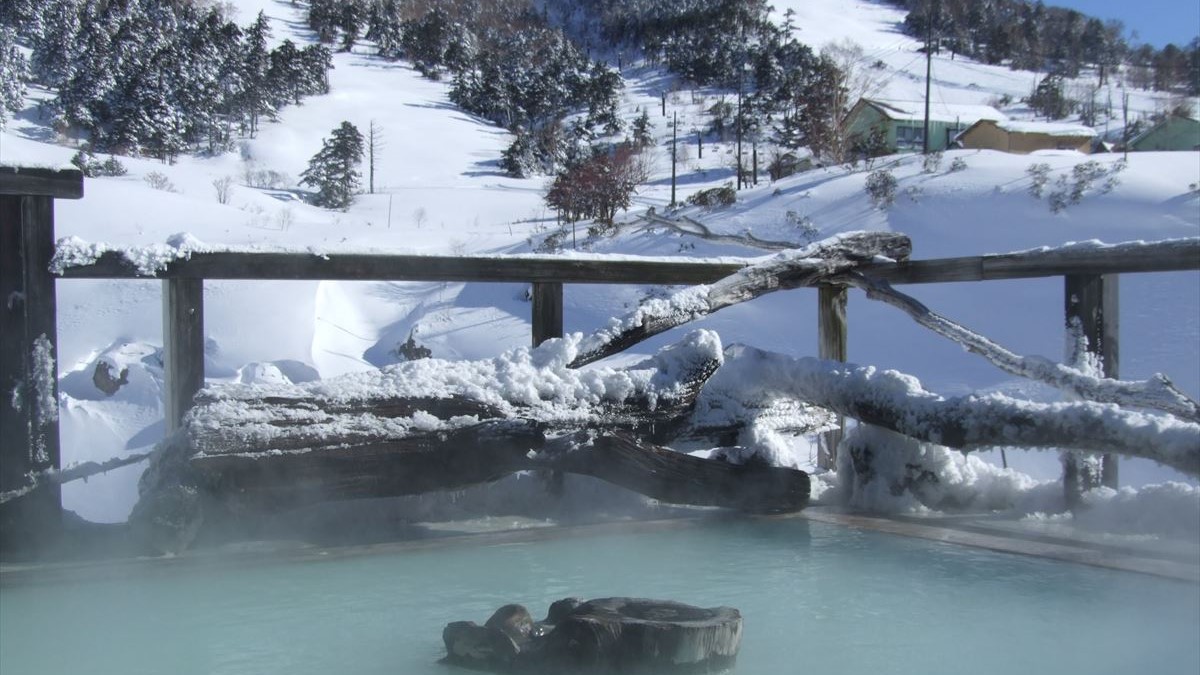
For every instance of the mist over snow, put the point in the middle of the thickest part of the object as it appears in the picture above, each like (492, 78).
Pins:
(439, 190)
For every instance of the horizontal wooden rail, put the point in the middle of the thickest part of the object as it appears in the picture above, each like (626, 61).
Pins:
(1175, 255)
(381, 267)
(1167, 256)
(27, 182)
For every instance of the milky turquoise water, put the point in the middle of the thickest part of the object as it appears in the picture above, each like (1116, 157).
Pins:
(816, 599)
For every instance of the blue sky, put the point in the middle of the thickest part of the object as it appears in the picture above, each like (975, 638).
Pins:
(1156, 21)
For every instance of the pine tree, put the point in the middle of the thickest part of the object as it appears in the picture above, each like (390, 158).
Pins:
(256, 62)
(333, 171)
(13, 72)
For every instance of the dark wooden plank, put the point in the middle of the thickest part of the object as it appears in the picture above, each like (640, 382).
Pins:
(832, 328)
(1168, 256)
(547, 311)
(60, 183)
(354, 267)
(28, 369)
(183, 346)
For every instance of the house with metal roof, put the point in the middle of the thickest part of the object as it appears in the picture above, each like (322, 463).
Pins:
(876, 127)
(1176, 132)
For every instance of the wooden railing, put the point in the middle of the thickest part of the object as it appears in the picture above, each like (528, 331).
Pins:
(27, 245)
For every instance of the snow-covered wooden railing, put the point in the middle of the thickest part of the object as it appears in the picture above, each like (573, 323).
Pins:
(31, 263)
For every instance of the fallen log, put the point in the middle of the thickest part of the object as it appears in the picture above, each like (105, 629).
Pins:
(1157, 392)
(676, 478)
(896, 401)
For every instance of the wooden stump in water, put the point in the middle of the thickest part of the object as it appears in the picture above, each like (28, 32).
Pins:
(606, 635)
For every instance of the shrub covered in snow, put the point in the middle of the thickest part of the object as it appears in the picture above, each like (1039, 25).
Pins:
(881, 188)
(713, 197)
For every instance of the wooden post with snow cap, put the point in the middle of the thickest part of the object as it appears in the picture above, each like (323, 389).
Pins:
(832, 330)
(1092, 309)
(29, 439)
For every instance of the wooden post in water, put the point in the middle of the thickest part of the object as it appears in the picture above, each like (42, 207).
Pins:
(29, 440)
(183, 345)
(1092, 307)
(832, 332)
(547, 311)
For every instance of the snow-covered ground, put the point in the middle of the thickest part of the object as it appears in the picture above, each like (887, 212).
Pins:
(439, 191)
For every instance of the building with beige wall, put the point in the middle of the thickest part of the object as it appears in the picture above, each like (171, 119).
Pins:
(1026, 137)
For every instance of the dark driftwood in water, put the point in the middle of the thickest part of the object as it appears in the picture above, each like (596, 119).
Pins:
(489, 451)
(794, 269)
(414, 464)
(675, 478)
(605, 635)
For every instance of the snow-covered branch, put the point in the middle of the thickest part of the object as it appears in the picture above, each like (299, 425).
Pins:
(1157, 392)
(898, 402)
(790, 269)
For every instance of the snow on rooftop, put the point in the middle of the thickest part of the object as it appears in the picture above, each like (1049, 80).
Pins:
(1065, 129)
(939, 111)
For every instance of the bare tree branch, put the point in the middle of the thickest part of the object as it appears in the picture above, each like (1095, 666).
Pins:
(71, 473)
(790, 269)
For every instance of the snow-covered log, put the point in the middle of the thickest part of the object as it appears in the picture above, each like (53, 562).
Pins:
(431, 425)
(1157, 393)
(897, 401)
(790, 269)
(428, 397)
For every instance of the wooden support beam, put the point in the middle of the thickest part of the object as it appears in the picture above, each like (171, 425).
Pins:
(26, 182)
(183, 346)
(1093, 309)
(832, 328)
(29, 441)
(547, 311)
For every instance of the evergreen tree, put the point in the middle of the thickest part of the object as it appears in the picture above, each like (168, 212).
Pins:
(13, 73)
(256, 62)
(1048, 98)
(333, 171)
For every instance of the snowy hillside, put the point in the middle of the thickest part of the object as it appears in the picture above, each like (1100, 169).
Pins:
(439, 190)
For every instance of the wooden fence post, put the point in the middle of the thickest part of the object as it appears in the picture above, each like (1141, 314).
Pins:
(547, 311)
(29, 439)
(183, 345)
(832, 330)
(1093, 309)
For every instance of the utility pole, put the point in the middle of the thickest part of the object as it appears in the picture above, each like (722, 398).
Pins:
(1125, 123)
(674, 126)
(739, 136)
(928, 72)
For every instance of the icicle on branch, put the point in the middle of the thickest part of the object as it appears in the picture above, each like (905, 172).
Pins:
(792, 269)
(71, 473)
(1157, 393)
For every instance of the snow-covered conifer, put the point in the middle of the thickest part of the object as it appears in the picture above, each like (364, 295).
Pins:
(333, 171)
